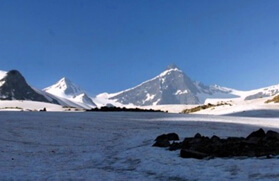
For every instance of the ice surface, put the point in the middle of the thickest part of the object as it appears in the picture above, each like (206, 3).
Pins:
(117, 146)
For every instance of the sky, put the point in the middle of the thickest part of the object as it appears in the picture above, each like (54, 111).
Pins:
(112, 45)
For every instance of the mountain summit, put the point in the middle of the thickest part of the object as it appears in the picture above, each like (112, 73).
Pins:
(172, 66)
(64, 88)
(13, 86)
(67, 90)
(172, 86)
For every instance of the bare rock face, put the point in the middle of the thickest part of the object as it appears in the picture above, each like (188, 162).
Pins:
(172, 86)
(257, 134)
(185, 153)
(164, 139)
(162, 143)
(169, 136)
(14, 87)
(256, 144)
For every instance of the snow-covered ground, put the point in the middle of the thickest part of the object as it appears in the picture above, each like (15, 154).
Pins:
(118, 146)
(240, 107)
(171, 108)
(16, 105)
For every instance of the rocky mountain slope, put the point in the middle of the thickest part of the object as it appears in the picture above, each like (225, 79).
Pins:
(13, 86)
(172, 86)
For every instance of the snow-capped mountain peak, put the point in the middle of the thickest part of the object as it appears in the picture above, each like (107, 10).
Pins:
(170, 68)
(69, 91)
(64, 88)
(172, 86)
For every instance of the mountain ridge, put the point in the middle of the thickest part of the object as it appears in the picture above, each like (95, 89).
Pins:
(171, 86)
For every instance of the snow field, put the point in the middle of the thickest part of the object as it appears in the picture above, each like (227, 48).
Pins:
(118, 146)
(15, 105)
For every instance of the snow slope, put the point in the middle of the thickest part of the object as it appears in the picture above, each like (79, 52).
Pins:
(16, 105)
(64, 88)
(70, 94)
(249, 95)
(118, 146)
(172, 86)
(262, 92)
(2, 74)
(65, 102)
(240, 107)
(170, 108)
(237, 106)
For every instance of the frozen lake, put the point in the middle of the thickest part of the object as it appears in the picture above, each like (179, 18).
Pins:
(118, 146)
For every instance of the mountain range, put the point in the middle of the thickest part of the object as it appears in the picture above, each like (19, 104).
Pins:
(172, 86)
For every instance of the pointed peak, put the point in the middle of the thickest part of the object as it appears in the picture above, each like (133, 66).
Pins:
(14, 72)
(172, 66)
(64, 87)
(65, 80)
(14, 75)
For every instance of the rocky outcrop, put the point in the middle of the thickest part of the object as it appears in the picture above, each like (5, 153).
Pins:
(203, 107)
(274, 99)
(119, 109)
(256, 144)
(14, 87)
(164, 139)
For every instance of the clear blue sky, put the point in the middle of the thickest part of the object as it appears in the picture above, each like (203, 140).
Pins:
(111, 45)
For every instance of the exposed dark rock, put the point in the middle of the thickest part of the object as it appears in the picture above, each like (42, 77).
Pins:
(215, 138)
(164, 140)
(272, 135)
(43, 110)
(169, 136)
(198, 135)
(257, 144)
(162, 143)
(185, 153)
(119, 109)
(175, 146)
(257, 134)
(173, 136)
(15, 87)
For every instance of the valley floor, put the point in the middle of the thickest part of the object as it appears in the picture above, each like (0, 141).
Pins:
(118, 146)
